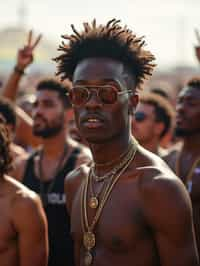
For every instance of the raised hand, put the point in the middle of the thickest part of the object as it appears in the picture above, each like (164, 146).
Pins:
(25, 55)
(197, 47)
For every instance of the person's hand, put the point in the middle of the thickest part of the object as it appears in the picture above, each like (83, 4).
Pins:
(25, 55)
(197, 47)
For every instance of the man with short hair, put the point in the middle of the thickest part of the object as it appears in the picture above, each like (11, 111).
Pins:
(23, 225)
(45, 170)
(186, 160)
(119, 205)
(151, 121)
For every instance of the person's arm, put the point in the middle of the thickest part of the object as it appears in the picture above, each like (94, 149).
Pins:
(168, 211)
(24, 59)
(30, 223)
(197, 47)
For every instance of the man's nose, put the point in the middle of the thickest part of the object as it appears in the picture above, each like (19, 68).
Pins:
(93, 99)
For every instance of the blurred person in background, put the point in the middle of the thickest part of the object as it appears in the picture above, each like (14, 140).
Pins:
(24, 136)
(7, 111)
(168, 140)
(185, 161)
(23, 225)
(45, 170)
(151, 121)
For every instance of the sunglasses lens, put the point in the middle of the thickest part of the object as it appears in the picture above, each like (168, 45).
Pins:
(108, 95)
(140, 116)
(78, 96)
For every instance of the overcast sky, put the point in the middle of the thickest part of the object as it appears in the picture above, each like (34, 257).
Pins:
(167, 25)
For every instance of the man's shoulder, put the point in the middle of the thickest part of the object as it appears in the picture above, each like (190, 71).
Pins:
(20, 195)
(77, 175)
(19, 165)
(83, 153)
(19, 189)
(160, 188)
(157, 177)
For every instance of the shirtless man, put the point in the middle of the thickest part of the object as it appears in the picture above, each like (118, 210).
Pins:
(23, 226)
(185, 161)
(127, 208)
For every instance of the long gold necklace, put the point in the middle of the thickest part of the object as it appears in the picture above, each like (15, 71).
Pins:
(116, 168)
(89, 239)
(190, 172)
(94, 199)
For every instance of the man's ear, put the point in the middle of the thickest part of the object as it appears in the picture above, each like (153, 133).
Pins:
(133, 102)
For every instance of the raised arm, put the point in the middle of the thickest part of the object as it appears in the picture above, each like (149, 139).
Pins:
(197, 47)
(24, 59)
(168, 211)
(30, 223)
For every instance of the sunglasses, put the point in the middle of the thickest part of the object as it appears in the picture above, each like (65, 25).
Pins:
(108, 94)
(140, 116)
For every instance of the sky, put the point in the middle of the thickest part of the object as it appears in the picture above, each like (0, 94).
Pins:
(167, 25)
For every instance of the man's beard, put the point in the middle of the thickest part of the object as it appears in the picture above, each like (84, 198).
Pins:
(50, 130)
(182, 132)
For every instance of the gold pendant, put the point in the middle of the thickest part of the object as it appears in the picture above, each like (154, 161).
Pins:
(88, 258)
(89, 240)
(93, 202)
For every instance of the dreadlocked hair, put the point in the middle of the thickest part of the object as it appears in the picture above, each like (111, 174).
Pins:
(5, 154)
(110, 40)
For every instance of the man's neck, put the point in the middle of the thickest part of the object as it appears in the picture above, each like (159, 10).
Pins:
(109, 151)
(191, 144)
(54, 146)
(151, 146)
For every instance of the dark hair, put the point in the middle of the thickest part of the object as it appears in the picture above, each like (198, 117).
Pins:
(7, 110)
(164, 111)
(160, 92)
(5, 154)
(194, 83)
(110, 40)
(54, 85)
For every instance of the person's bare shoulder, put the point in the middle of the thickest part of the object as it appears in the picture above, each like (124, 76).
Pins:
(18, 169)
(162, 193)
(19, 192)
(84, 155)
(24, 202)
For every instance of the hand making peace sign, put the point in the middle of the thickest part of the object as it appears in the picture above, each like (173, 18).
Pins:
(25, 55)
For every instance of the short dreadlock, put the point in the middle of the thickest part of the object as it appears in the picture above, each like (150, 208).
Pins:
(111, 40)
(5, 154)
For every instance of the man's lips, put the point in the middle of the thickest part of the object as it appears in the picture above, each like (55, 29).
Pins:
(92, 121)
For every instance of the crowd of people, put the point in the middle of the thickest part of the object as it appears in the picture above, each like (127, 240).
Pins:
(96, 169)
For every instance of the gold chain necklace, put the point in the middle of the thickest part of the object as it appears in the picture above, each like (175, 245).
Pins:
(190, 172)
(94, 199)
(114, 170)
(118, 158)
(89, 239)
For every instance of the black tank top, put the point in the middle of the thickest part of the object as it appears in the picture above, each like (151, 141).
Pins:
(60, 241)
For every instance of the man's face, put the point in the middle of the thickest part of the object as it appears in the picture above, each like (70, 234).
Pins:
(97, 121)
(188, 112)
(145, 128)
(48, 114)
